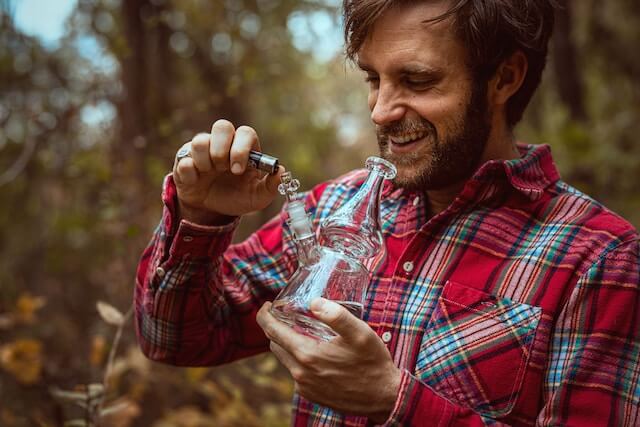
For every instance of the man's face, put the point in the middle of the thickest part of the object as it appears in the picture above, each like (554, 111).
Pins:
(431, 120)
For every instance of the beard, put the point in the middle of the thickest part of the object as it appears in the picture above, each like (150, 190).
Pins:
(450, 159)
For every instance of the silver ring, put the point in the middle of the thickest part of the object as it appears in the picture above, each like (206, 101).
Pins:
(185, 151)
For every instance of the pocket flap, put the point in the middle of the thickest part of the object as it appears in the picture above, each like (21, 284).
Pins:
(476, 348)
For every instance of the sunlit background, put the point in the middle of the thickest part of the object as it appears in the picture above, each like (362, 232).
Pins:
(97, 95)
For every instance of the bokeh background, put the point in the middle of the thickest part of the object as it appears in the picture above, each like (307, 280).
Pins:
(97, 95)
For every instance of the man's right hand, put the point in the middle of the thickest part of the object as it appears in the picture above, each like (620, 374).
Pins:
(215, 182)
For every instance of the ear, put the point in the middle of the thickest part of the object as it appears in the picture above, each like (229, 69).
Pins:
(508, 78)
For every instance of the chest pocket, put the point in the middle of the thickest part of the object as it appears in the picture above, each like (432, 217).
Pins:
(476, 349)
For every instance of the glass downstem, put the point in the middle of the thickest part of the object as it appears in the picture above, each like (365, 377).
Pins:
(299, 221)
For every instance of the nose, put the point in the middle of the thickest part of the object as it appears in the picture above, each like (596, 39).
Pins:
(386, 105)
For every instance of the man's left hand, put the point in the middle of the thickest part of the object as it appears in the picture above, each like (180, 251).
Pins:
(352, 373)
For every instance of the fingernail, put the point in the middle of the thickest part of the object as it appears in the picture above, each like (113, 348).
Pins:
(236, 168)
(317, 304)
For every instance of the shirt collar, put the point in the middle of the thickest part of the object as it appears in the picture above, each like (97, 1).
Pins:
(532, 173)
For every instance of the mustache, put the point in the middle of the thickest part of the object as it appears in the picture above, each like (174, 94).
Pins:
(384, 132)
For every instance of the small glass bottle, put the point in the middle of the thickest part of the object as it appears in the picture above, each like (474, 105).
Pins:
(335, 268)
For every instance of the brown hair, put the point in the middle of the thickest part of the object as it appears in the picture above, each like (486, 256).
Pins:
(491, 30)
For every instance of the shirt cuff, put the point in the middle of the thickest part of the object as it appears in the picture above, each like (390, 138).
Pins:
(190, 240)
(416, 403)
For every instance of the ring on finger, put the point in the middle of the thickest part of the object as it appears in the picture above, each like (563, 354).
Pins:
(185, 151)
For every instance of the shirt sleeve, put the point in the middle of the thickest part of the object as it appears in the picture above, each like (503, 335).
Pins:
(197, 295)
(592, 376)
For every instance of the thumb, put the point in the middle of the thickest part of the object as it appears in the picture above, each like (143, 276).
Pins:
(271, 181)
(337, 318)
(267, 188)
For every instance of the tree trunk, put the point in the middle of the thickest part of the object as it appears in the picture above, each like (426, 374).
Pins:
(134, 73)
(128, 152)
(567, 73)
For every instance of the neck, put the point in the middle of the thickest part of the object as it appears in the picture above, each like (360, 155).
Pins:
(500, 146)
(440, 199)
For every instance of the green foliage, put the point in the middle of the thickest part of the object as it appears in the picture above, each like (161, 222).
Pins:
(598, 154)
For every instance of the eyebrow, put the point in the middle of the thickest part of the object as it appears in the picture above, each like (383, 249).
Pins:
(364, 66)
(421, 69)
(409, 69)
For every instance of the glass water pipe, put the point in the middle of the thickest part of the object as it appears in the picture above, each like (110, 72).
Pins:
(333, 268)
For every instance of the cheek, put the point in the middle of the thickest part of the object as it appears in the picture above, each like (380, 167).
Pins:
(432, 108)
(441, 112)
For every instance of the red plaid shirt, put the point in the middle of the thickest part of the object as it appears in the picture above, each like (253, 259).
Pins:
(518, 304)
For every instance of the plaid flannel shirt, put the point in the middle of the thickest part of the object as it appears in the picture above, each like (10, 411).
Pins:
(519, 304)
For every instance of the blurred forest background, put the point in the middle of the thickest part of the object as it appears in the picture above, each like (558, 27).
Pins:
(90, 125)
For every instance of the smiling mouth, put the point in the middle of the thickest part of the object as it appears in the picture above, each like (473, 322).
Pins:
(407, 139)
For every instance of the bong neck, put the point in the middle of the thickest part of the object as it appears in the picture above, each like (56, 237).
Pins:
(354, 228)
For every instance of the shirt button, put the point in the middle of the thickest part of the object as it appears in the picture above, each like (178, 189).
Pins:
(416, 201)
(187, 239)
(160, 272)
(386, 337)
(408, 266)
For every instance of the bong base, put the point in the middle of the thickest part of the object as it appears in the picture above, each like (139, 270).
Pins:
(301, 320)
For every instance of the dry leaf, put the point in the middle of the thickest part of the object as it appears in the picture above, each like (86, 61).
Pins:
(8, 418)
(195, 375)
(26, 307)
(95, 391)
(23, 359)
(110, 314)
(268, 364)
(98, 350)
(120, 413)
(187, 416)
(7, 321)
(73, 396)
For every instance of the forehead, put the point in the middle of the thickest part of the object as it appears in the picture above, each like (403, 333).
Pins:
(401, 35)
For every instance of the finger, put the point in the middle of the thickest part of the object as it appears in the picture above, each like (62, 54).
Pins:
(280, 332)
(185, 172)
(267, 187)
(339, 319)
(245, 140)
(187, 146)
(285, 358)
(222, 133)
(200, 152)
(271, 181)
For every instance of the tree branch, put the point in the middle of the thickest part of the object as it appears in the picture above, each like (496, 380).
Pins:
(21, 162)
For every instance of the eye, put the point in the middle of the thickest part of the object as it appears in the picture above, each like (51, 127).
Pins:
(372, 79)
(419, 84)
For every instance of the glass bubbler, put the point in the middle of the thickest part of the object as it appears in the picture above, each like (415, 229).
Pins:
(333, 265)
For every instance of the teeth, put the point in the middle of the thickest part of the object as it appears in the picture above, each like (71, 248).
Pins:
(407, 138)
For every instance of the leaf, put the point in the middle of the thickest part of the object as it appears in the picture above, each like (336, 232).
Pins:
(115, 408)
(23, 359)
(195, 375)
(98, 350)
(95, 390)
(26, 307)
(268, 365)
(74, 396)
(7, 321)
(110, 314)
(85, 399)
(120, 413)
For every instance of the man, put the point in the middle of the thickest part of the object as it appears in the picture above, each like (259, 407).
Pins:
(507, 297)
